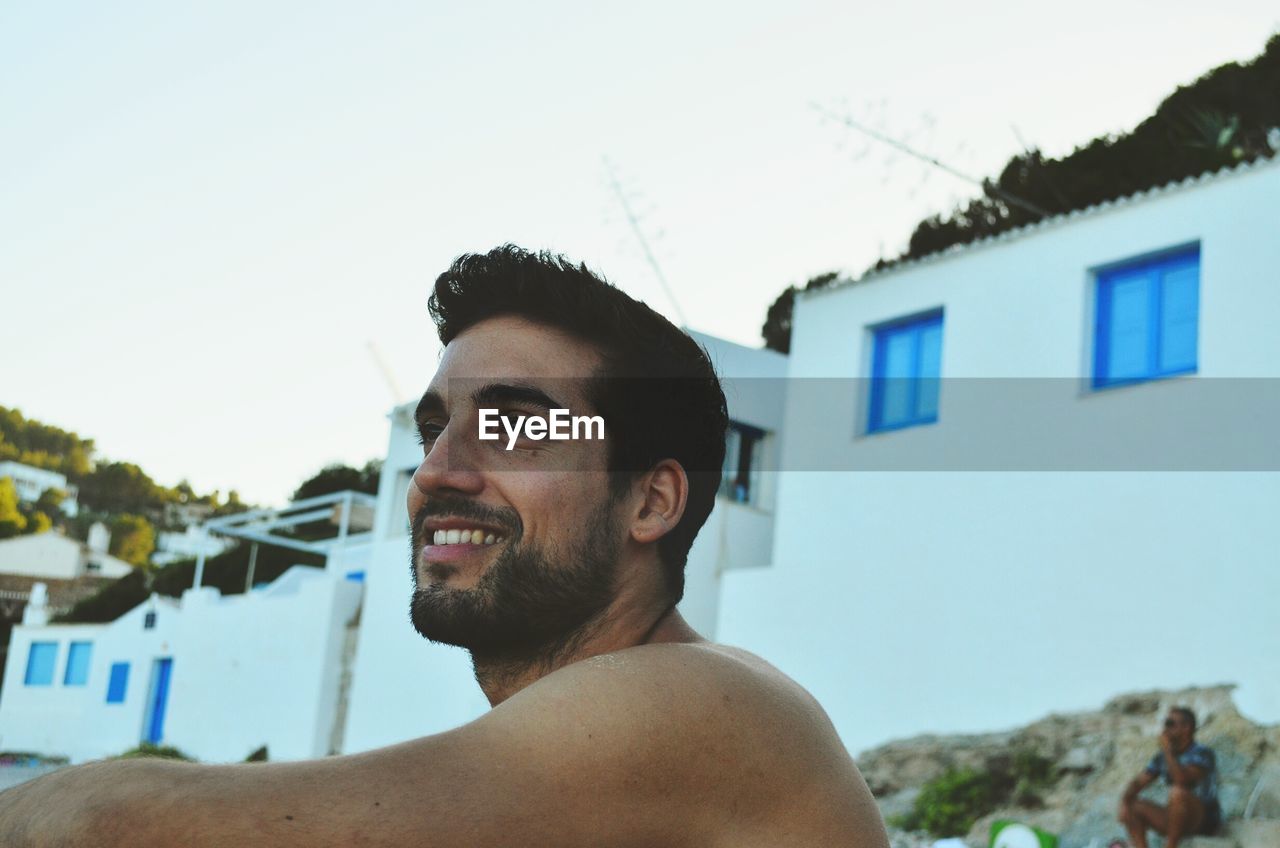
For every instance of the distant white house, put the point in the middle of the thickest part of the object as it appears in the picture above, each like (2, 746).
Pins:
(189, 544)
(55, 556)
(216, 677)
(31, 482)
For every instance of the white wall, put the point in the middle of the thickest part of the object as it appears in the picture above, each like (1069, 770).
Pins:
(30, 481)
(54, 556)
(921, 601)
(260, 669)
(404, 687)
(44, 719)
(76, 721)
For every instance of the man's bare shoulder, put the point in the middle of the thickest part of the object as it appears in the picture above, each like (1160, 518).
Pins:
(717, 723)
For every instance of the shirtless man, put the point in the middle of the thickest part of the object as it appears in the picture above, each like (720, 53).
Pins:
(613, 722)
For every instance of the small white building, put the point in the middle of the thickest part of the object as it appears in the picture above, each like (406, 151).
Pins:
(189, 544)
(55, 556)
(31, 482)
(217, 677)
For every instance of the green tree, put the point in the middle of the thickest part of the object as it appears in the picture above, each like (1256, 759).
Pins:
(50, 501)
(777, 324)
(12, 521)
(338, 477)
(232, 506)
(1221, 119)
(38, 522)
(43, 446)
(120, 487)
(132, 539)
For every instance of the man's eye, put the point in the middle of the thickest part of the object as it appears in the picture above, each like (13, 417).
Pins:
(429, 432)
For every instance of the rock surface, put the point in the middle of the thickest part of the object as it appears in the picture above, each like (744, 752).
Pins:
(1095, 754)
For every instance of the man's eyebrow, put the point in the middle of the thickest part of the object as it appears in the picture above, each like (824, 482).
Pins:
(495, 394)
(430, 404)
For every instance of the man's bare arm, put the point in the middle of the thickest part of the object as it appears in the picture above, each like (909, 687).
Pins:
(1140, 782)
(621, 750)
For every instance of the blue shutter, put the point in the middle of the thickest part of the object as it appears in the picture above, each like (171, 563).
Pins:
(899, 367)
(1179, 317)
(118, 683)
(906, 365)
(930, 371)
(1127, 331)
(41, 659)
(77, 673)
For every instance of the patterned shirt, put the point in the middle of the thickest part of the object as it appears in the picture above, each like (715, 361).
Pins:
(1206, 788)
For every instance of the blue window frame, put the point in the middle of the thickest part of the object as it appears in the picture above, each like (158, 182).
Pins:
(906, 363)
(41, 658)
(1147, 319)
(118, 683)
(77, 673)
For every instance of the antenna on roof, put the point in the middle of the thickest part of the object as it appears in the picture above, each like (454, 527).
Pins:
(985, 185)
(644, 243)
(397, 397)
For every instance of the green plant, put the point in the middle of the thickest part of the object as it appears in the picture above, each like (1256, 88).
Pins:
(147, 749)
(259, 755)
(1031, 774)
(949, 805)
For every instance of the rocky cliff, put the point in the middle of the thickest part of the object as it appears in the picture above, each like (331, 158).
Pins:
(1093, 756)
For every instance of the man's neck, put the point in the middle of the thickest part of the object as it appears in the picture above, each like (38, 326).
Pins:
(502, 677)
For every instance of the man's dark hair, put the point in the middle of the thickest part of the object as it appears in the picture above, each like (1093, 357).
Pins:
(1186, 713)
(657, 392)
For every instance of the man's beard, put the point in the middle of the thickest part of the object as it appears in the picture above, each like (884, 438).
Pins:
(532, 601)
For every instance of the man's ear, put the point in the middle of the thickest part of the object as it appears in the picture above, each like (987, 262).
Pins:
(663, 493)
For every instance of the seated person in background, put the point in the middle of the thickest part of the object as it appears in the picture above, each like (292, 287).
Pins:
(1190, 770)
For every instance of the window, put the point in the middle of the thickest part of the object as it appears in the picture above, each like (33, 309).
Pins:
(740, 475)
(149, 621)
(1147, 319)
(906, 361)
(77, 673)
(118, 683)
(40, 662)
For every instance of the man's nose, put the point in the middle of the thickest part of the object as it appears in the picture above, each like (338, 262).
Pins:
(450, 464)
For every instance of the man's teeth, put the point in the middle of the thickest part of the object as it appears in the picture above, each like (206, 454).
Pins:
(463, 537)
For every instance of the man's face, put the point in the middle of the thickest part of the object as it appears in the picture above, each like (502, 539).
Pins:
(1178, 726)
(512, 550)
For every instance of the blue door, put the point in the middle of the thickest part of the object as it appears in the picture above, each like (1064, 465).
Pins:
(154, 727)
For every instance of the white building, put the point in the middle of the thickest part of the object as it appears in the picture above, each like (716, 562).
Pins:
(54, 556)
(189, 544)
(1087, 505)
(1041, 501)
(215, 677)
(31, 482)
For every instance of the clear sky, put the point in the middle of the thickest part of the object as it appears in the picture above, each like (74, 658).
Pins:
(208, 211)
